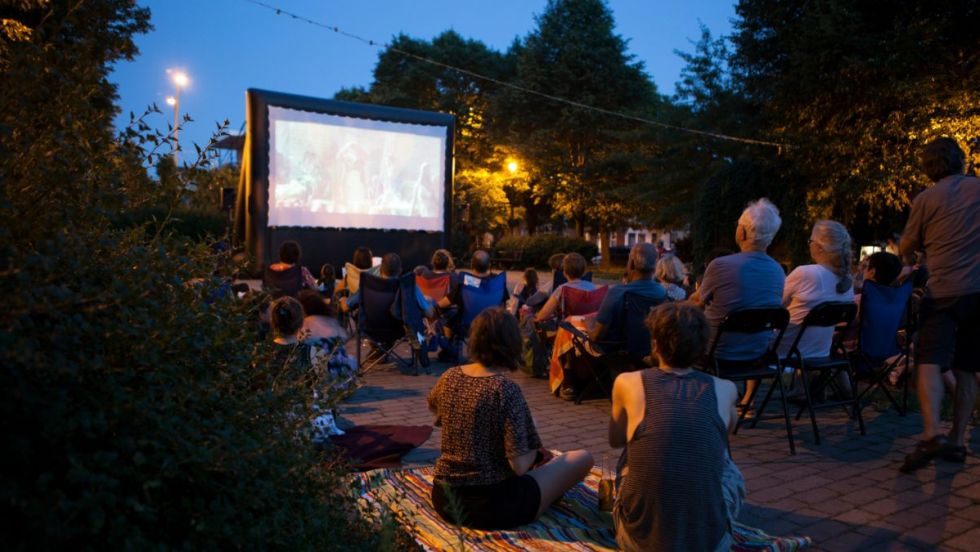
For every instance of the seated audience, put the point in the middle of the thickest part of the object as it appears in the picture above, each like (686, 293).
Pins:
(678, 488)
(480, 267)
(320, 322)
(809, 285)
(490, 457)
(555, 264)
(573, 265)
(749, 279)
(670, 274)
(327, 281)
(883, 268)
(639, 274)
(391, 267)
(327, 375)
(364, 260)
(527, 292)
(288, 275)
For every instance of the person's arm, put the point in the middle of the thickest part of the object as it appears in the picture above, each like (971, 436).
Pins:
(790, 285)
(352, 302)
(522, 464)
(604, 318)
(912, 236)
(706, 290)
(550, 307)
(521, 440)
(433, 399)
(727, 395)
(619, 420)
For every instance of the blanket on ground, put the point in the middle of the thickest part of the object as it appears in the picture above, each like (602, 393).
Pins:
(371, 447)
(572, 523)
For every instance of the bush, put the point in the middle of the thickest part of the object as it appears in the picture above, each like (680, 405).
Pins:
(538, 248)
(132, 417)
(192, 223)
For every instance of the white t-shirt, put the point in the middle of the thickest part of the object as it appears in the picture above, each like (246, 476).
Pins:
(806, 287)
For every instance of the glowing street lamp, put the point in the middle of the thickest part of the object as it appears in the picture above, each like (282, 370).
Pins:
(512, 166)
(180, 81)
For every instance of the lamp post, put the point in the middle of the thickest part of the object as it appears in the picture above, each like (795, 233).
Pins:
(180, 81)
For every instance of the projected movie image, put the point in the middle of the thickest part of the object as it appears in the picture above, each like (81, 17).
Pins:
(330, 171)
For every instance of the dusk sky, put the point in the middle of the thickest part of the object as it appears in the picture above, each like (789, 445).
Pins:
(228, 46)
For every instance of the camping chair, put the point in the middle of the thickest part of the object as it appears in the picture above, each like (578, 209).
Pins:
(764, 367)
(577, 302)
(284, 282)
(476, 295)
(434, 286)
(377, 322)
(825, 315)
(615, 356)
(884, 310)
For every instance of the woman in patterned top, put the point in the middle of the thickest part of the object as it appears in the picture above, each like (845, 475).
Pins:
(489, 461)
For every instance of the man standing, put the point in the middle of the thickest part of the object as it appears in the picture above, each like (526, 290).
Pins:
(945, 225)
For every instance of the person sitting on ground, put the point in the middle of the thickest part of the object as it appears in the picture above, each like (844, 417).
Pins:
(573, 265)
(670, 274)
(320, 322)
(391, 267)
(490, 461)
(278, 277)
(640, 280)
(749, 279)
(295, 360)
(678, 488)
(327, 281)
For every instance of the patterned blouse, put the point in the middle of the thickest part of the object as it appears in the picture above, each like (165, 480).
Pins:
(485, 421)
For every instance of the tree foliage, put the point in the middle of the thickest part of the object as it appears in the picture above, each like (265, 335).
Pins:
(136, 413)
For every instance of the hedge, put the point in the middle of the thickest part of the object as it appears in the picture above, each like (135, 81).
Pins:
(537, 248)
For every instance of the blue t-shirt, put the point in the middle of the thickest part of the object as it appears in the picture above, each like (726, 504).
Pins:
(743, 280)
(612, 305)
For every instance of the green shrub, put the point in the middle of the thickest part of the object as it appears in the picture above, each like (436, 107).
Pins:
(538, 248)
(132, 415)
(192, 223)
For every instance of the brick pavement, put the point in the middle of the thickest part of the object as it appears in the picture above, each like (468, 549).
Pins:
(846, 494)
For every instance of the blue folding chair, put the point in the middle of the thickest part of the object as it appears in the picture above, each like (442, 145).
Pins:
(476, 295)
(380, 319)
(884, 311)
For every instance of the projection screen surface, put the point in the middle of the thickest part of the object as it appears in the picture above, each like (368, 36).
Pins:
(330, 171)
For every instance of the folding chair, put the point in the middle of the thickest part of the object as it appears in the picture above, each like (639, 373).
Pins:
(764, 367)
(884, 311)
(618, 355)
(577, 302)
(434, 286)
(825, 315)
(476, 295)
(377, 322)
(284, 282)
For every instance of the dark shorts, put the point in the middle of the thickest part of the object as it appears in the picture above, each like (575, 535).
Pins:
(504, 505)
(949, 333)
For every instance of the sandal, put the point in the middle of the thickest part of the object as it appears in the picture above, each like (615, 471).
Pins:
(924, 452)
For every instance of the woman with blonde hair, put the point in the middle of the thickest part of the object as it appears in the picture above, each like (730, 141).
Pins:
(829, 279)
(670, 273)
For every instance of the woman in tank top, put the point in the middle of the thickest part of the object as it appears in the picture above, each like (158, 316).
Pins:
(678, 488)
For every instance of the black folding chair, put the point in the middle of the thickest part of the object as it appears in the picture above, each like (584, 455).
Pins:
(764, 367)
(825, 315)
(626, 352)
(378, 324)
(284, 282)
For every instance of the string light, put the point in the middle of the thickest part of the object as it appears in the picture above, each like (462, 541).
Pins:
(566, 101)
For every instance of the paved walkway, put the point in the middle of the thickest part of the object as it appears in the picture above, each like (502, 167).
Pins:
(846, 494)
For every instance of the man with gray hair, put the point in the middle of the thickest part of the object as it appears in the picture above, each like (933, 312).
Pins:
(748, 279)
(639, 273)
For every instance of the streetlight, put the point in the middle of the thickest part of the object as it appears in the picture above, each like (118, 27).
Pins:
(180, 81)
(512, 166)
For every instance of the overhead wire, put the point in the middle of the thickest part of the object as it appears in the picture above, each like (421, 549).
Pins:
(552, 97)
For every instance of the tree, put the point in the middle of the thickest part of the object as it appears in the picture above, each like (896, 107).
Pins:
(575, 54)
(855, 87)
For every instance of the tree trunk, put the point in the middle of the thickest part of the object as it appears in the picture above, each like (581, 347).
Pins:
(604, 248)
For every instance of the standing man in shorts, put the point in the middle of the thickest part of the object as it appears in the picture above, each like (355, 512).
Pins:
(945, 225)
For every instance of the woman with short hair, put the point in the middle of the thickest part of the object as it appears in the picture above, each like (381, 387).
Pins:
(490, 465)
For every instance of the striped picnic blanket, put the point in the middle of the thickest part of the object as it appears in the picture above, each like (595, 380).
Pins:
(573, 523)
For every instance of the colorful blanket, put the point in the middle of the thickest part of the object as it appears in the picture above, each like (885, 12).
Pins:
(573, 523)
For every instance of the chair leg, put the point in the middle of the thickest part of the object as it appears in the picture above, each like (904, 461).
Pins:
(856, 404)
(765, 402)
(357, 345)
(789, 425)
(809, 407)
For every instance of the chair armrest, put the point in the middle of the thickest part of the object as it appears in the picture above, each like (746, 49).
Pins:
(568, 327)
